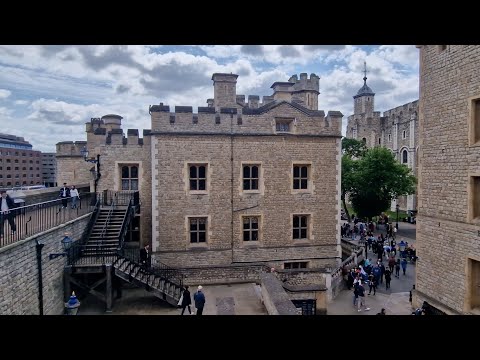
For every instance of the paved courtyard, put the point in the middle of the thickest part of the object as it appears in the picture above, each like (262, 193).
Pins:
(396, 299)
(235, 299)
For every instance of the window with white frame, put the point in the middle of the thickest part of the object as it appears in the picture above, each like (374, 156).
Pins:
(250, 176)
(198, 230)
(301, 174)
(129, 177)
(250, 228)
(300, 227)
(197, 176)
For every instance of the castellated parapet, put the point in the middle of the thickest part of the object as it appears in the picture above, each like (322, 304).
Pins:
(71, 168)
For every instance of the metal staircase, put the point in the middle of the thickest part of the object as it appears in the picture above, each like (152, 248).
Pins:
(105, 235)
(164, 282)
(102, 245)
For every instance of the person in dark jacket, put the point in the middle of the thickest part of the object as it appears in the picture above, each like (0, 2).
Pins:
(199, 299)
(186, 301)
(64, 195)
(145, 257)
(7, 212)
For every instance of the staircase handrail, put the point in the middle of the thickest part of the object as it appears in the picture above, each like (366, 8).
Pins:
(125, 223)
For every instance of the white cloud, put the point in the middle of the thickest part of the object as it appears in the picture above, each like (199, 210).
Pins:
(66, 85)
(5, 93)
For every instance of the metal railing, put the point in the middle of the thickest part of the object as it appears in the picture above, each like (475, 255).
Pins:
(34, 219)
(158, 269)
(130, 213)
(122, 198)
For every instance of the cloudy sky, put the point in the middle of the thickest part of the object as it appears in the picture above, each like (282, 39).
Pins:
(47, 93)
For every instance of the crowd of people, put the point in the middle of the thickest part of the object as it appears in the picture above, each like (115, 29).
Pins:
(387, 265)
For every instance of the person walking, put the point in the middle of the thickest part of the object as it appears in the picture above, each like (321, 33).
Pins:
(404, 265)
(199, 299)
(388, 278)
(64, 195)
(75, 196)
(361, 297)
(7, 206)
(186, 301)
(397, 269)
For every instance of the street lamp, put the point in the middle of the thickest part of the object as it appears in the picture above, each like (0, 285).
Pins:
(95, 172)
(67, 244)
(398, 208)
(72, 305)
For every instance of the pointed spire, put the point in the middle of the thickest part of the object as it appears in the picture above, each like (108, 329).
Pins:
(365, 73)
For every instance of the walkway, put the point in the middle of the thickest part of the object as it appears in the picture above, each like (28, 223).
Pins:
(396, 299)
(235, 299)
(37, 218)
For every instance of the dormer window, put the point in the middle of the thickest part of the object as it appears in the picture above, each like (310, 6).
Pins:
(283, 125)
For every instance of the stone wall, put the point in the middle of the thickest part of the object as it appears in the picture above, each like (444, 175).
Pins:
(19, 272)
(113, 157)
(275, 202)
(275, 299)
(447, 235)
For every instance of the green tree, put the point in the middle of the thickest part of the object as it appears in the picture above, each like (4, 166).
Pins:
(378, 178)
(353, 148)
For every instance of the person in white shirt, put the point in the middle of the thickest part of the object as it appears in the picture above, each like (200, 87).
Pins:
(75, 196)
(6, 212)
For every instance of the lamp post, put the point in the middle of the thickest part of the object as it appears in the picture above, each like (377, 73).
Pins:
(66, 243)
(95, 173)
(39, 246)
(72, 305)
(398, 208)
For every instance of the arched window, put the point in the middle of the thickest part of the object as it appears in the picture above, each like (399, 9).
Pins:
(404, 156)
(364, 140)
(129, 177)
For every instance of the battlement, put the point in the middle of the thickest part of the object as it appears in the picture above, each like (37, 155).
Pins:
(406, 109)
(70, 148)
(247, 120)
(305, 83)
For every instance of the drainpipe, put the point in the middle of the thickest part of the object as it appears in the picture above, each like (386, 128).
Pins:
(39, 248)
(231, 177)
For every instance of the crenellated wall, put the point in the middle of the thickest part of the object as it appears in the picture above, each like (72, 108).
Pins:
(71, 166)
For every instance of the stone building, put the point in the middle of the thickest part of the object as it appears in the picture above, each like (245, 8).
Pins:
(238, 183)
(448, 227)
(20, 165)
(396, 130)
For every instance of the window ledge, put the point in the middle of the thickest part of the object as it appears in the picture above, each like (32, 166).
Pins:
(198, 246)
(198, 192)
(251, 191)
(302, 191)
(301, 242)
(251, 244)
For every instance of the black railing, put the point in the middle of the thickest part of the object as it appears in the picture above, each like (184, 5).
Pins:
(130, 213)
(90, 255)
(158, 269)
(122, 198)
(34, 219)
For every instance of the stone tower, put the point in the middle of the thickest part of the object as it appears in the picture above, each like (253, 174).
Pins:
(224, 90)
(305, 90)
(364, 100)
